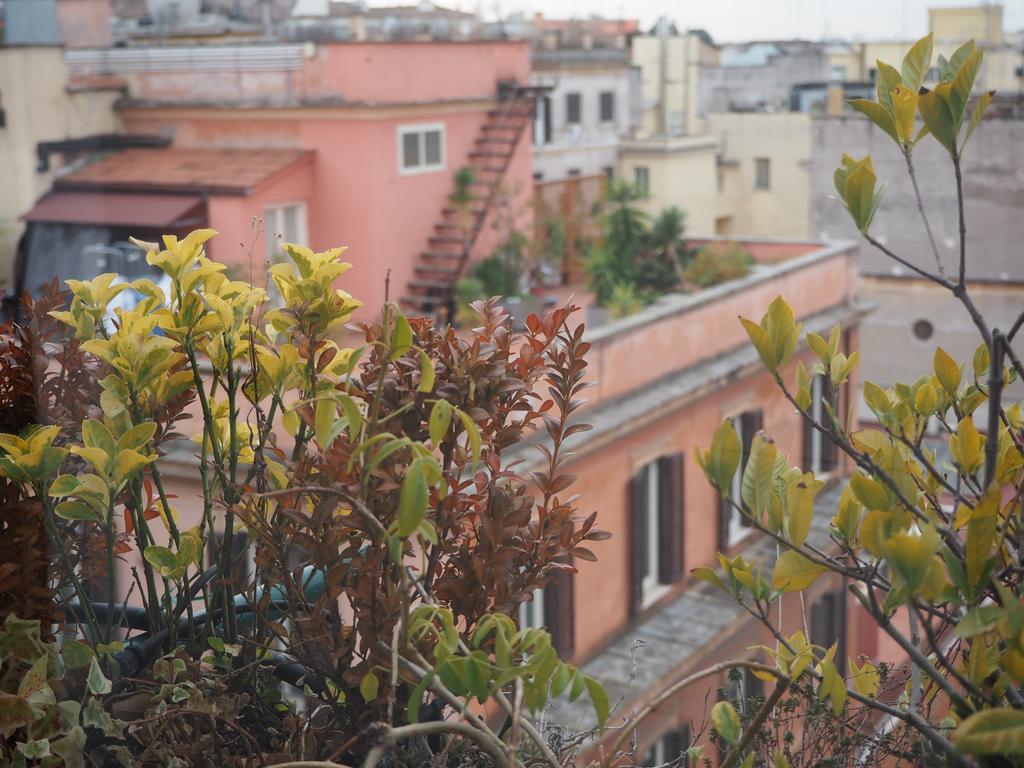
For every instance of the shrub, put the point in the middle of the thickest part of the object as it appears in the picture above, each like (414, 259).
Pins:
(716, 263)
(367, 478)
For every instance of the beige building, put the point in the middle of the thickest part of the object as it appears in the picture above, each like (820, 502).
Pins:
(39, 105)
(670, 67)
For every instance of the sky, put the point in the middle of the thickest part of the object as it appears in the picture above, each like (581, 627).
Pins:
(732, 20)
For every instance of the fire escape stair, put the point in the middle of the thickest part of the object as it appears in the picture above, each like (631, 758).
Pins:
(439, 267)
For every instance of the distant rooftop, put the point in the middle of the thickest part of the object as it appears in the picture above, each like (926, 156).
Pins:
(227, 171)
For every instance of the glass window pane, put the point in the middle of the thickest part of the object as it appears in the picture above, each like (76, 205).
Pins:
(432, 150)
(411, 150)
(290, 229)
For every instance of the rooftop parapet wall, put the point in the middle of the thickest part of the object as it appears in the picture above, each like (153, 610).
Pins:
(289, 74)
(680, 330)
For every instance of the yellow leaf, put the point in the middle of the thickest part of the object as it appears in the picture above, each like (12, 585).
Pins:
(904, 106)
(967, 446)
(762, 343)
(992, 732)
(800, 503)
(794, 572)
(947, 371)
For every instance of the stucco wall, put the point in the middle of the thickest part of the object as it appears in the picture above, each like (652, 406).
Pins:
(784, 138)
(38, 107)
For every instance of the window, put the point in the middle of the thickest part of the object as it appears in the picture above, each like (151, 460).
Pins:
(538, 176)
(420, 148)
(668, 749)
(762, 173)
(284, 224)
(531, 613)
(573, 172)
(734, 527)
(828, 624)
(922, 329)
(837, 72)
(572, 108)
(872, 74)
(642, 180)
(656, 529)
(542, 122)
(819, 451)
(609, 172)
(607, 106)
(553, 607)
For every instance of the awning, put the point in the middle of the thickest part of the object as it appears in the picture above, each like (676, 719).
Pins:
(139, 209)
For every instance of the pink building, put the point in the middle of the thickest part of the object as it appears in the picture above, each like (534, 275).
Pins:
(352, 144)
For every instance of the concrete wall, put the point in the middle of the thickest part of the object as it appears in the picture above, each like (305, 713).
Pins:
(38, 107)
(590, 146)
(765, 88)
(783, 138)
(672, 106)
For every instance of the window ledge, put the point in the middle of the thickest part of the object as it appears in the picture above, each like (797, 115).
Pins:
(654, 594)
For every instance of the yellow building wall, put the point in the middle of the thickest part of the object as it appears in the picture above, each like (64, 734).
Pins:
(38, 107)
(684, 176)
(982, 23)
(684, 56)
(784, 138)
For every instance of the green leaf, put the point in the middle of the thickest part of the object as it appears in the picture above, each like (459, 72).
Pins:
(368, 686)
(325, 415)
(96, 435)
(15, 713)
(935, 111)
(413, 498)
(440, 421)
(63, 485)
(426, 373)
(992, 732)
(794, 572)
(77, 510)
(916, 62)
(708, 575)
(599, 698)
(781, 327)
(979, 620)
(887, 79)
(165, 561)
(401, 337)
(726, 722)
(472, 433)
(759, 476)
(859, 193)
(877, 114)
(911, 555)
(138, 436)
(76, 654)
(981, 104)
(96, 680)
(963, 83)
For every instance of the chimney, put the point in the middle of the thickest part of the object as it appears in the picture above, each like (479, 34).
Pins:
(835, 102)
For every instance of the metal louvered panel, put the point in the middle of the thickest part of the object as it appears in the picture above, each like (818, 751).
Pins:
(193, 58)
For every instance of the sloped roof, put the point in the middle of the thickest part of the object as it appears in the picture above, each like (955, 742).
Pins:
(223, 171)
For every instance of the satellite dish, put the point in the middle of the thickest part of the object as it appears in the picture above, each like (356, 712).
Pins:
(262, 11)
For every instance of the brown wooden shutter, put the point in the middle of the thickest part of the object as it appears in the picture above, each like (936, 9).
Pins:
(670, 518)
(559, 612)
(637, 539)
(808, 433)
(676, 743)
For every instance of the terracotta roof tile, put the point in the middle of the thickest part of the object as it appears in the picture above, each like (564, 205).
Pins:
(229, 171)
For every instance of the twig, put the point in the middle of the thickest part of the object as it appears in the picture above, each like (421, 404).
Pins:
(488, 743)
(755, 725)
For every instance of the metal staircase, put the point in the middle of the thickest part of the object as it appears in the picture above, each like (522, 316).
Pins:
(450, 246)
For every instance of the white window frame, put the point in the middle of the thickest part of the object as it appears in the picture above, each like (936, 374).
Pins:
(737, 531)
(531, 612)
(273, 224)
(421, 129)
(651, 588)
